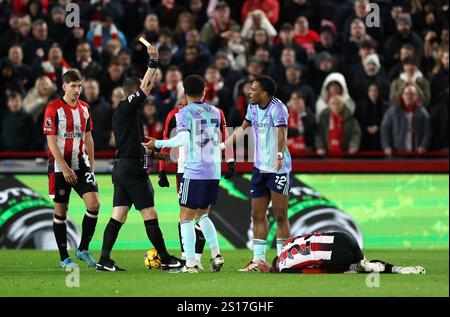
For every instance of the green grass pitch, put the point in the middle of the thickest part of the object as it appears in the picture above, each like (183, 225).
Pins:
(35, 273)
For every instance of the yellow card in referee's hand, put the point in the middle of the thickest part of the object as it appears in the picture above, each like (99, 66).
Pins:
(144, 41)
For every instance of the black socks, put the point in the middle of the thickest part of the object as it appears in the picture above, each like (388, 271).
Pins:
(89, 223)
(156, 238)
(60, 231)
(109, 238)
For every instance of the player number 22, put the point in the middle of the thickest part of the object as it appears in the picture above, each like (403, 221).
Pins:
(280, 180)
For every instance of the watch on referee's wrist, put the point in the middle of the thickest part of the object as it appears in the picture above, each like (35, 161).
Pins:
(152, 63)
(280, 155)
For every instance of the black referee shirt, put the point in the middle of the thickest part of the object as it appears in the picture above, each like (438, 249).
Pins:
(128, 126)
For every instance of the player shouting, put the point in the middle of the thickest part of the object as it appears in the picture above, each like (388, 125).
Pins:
(271, 178)
(330, 252)
(68, 126)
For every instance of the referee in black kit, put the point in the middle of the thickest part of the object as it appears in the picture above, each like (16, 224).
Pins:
(129, 176)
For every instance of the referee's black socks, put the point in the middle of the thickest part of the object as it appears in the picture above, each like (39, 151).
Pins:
(60, 231)
(89, 223)
(109, 238)
(156, 238)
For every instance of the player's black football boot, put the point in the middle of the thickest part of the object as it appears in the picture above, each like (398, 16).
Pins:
(108, 266)
(171, 263)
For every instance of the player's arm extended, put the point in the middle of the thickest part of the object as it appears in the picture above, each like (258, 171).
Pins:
(182, 138)
(69, 174)
(90, 149)
(282, 142)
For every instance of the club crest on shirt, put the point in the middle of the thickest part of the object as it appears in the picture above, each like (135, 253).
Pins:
(48, 122)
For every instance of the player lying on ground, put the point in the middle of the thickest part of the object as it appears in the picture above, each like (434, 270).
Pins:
(330, 252)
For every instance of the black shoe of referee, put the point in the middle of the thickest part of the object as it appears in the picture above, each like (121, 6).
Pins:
(171, 262)
(108, 266)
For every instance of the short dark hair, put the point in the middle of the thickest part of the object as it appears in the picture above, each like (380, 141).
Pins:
(13, 94)
(131, 84)
(267, 84)
(411, 60)
(71, 76)
(368, 44)
(194, 86)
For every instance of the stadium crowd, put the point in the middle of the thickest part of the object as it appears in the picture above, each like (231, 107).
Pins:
(349, 87)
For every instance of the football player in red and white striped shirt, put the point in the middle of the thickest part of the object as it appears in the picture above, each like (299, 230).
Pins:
(68, 126)
(330, 252)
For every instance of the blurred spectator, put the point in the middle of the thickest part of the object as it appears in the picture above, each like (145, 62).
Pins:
(217, 32)
(54, 67)
(255, 68)
(96, 9)
(278, 71)
(165, 58)
(84, 62)
(91, 91)
(338, 131)
(236, 51)
(102, 113)
(38, 97)
(237, 113)
(301, 125)
(411, 75)
(260, 38)
(37, 45)
(57, 28)
(406, 127)
(351, 48)
(192, 63)
(103, 32)
(111, 79)
(407, 51)
(360, 12)
(270, 8)
(216, 93)
(168, 12)
(439, 82)
(70, 45)
(291, 9)
(229, 75)
(18, 128)
(15, 56)
(304, 36)
(17, 32)
(370, 114)
(134, 14)
(9, 80)
(255, 21)
(185, 23)
(293, 83)
(328, 42)
(403, 35)
(192, 38)
(286, 39)
(333, 85)
(198, 10)
(372, 73)
(323, 65)
(153, 128)
(166, 37)
(167, 95)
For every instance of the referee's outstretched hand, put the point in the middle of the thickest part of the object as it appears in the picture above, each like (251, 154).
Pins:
(163, 181)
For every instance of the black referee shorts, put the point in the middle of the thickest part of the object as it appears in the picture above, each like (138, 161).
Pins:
(344, 252)
(132, 185)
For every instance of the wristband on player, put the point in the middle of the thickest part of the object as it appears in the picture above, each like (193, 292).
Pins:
(280, 155)
(222, 146)
(152, 63)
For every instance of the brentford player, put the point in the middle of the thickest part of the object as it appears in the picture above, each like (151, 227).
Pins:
(68, 126)
(331, 252)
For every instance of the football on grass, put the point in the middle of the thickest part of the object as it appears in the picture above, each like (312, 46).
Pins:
(152, 260)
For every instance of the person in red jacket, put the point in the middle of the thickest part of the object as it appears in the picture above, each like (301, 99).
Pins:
(305, 37)
(270, 7)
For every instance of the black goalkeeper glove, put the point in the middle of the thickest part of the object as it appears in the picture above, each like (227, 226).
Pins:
(163, 181)
(231, 170)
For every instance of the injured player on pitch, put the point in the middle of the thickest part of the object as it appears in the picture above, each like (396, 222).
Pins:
(330, 252)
